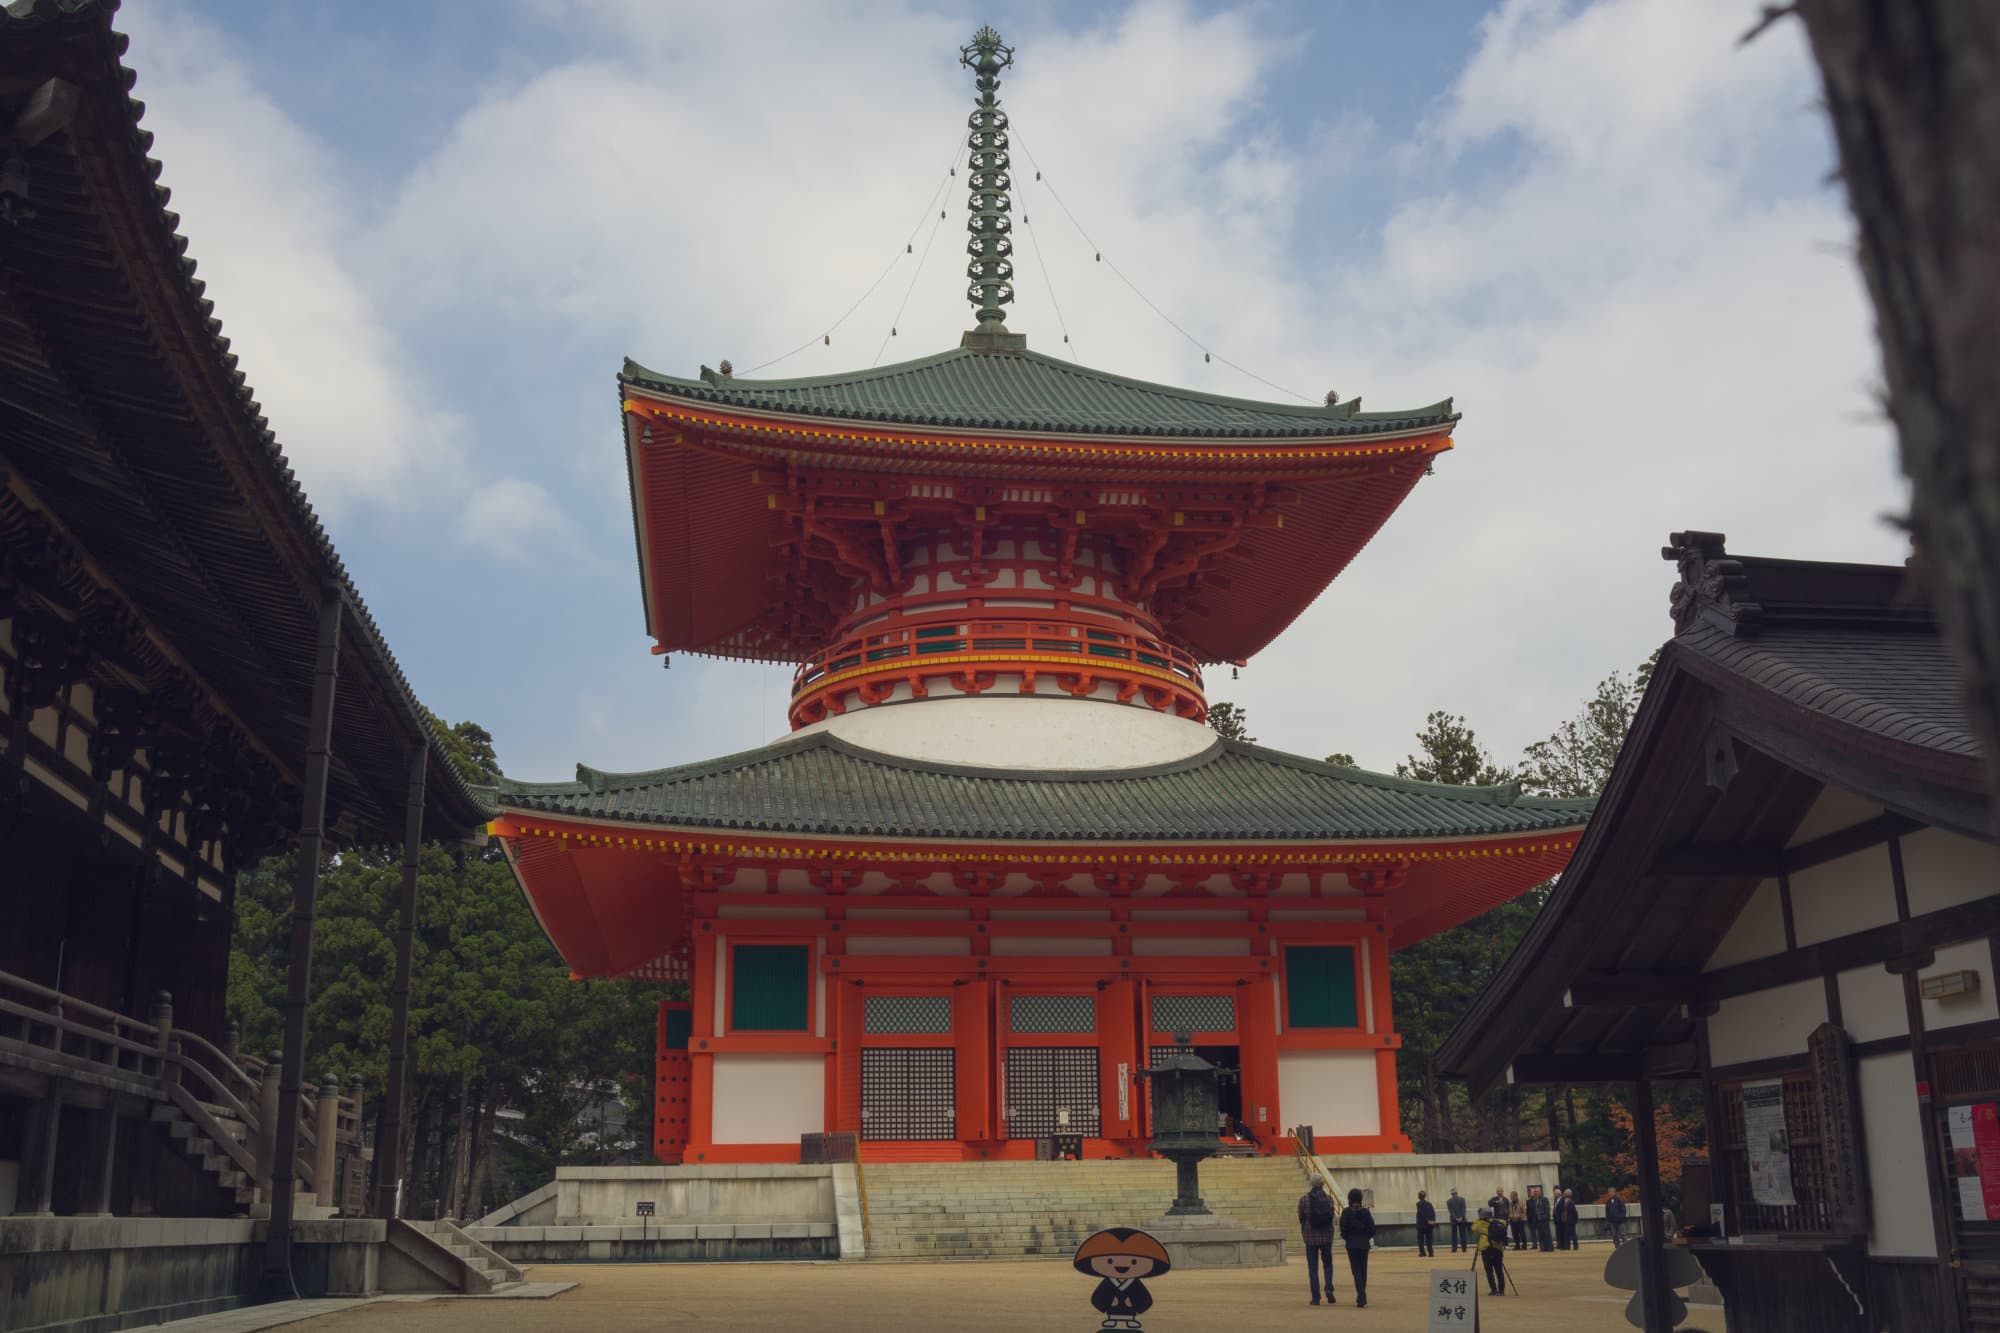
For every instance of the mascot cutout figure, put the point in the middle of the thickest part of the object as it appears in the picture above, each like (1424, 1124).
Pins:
(1122, 1257)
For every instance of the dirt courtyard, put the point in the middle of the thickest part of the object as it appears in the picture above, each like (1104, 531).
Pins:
(1560, 1293)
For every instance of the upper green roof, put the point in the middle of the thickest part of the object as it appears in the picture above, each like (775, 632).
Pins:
(818, 784)
(1018, 390)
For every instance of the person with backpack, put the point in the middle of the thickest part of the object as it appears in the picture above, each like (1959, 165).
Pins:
(1492, 1234)
(1316, 1229)
(1357, 1232)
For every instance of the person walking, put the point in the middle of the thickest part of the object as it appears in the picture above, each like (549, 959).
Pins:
(1357, 1233)
(1538, 1219)
(1565, 1214)
(1492, 1234)
(1461, 1230)
(1517, 1220)
(1427, 1218)
(1316, 1229)
(1614, 1217)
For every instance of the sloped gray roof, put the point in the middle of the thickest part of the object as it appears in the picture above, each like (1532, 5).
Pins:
(819, 784)
(969, 388)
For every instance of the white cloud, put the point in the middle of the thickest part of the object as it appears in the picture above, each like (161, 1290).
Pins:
(271, 223)
(518, 521)
(1607, 239)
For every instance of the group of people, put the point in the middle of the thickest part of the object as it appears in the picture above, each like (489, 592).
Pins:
(1545, 1222)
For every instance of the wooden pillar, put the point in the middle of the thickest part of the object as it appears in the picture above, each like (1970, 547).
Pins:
(701, 1041)
(1656, 1297)
(94, 1199)
(36, 1190)
(389, 1133)
(277, 1280)
(267, 1125)
(326, 1127)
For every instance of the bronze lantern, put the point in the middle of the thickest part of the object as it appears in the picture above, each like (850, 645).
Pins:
(1186, 1099)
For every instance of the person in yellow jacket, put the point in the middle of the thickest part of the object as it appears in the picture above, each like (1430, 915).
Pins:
(1492, 1234)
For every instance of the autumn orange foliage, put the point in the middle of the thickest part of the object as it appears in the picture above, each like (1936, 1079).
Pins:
(1678, 1136)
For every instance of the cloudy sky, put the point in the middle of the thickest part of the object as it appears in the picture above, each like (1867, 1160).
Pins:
(433, 231)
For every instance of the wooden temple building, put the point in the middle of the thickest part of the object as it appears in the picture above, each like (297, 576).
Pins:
(1791, 894)
(189, 681)
(1001, 859)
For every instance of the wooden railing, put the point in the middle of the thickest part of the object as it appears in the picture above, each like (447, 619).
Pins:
(228, 1098)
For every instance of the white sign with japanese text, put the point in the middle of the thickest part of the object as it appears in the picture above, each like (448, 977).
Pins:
(1454, 1300)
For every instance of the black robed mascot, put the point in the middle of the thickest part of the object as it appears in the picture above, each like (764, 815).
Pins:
(1121, 1256)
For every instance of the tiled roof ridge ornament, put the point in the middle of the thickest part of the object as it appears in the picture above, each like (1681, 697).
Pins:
(1712, 585)
(989, 268)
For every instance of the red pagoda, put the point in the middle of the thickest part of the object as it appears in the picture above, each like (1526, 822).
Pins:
(1001, 860)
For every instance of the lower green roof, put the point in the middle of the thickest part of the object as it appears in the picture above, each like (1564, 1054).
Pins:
(819, 784)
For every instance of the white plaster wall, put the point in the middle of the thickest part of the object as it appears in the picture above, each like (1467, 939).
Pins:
(765, 912)
(1899, 1220)
(1031, 914)
(1049, 946)
(1187, 914)
(1871, 1004)
(1835, 808)
(908, 945)
(908, 914)
(1841, 897)
(1757, 932)
(768, 1098)
(1021, 731)
(1766, 1023)
(1208, 946)
(1943, 869)
(1333, 1091)
(1318, 914)
(1976, 956)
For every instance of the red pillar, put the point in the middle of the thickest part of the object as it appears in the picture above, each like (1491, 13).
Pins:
(1257, 1024)
(972, 1056)
(1118, 1036)
(850, 1015)
(701, 1059)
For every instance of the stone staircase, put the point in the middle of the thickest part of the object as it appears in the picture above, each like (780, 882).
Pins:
(499, 1273)
(924, 1210)
(208, 1155)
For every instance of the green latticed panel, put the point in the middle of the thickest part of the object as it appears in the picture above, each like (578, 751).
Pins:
(1319, 986)
(768, 989)
(906, 1013)
(1194, 1013)
(679, 1027)
(1053, 1013)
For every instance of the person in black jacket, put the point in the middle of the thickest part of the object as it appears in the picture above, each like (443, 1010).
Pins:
(1614, 1217)
(1427, 1219)
(1461, 1230)
(1538, 1218)
(1357, 1233)
(1565, 1214)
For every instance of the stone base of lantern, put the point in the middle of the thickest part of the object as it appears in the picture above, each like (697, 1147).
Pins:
(1217, 1242)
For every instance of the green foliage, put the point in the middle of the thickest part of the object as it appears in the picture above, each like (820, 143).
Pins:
(470, 749)
(1230, 721)
(495, 1020)
(1343, 759)
(1434, 982)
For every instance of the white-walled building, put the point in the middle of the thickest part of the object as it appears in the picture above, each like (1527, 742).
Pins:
(1791, 891)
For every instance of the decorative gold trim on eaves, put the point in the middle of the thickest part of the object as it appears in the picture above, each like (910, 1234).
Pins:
(1078, 666)
(1427, 442)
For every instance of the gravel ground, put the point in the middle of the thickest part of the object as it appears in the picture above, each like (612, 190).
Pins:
(1560, 1293)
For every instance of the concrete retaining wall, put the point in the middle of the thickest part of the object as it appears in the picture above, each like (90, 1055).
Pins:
(92, 1274)
(675, 1242)
(610, 1195)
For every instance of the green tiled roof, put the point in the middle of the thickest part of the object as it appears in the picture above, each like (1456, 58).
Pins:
(968, 388)
(819, 784)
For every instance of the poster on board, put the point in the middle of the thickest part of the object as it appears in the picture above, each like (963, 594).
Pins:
(1767, 1145)
(1975, 1160)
